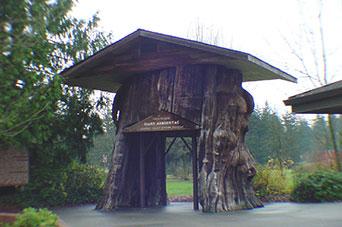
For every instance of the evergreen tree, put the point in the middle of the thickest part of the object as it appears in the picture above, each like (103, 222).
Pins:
(305, 139)
(37, 40)
(321, 134)
(256, 134)
(281, 138)
(290, 138)
(100, 153)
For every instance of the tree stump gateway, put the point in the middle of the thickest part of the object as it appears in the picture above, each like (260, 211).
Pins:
(201, 83)
(209, 95)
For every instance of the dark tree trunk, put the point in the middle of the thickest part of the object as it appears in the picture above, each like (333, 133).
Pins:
(208, 95)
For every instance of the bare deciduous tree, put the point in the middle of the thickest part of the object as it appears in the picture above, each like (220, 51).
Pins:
(313, 56)
(205, 33)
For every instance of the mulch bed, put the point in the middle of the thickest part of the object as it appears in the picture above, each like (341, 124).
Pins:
(187, 198)
(7, 217)
(5, 208)
(275, 198)
(265, 199)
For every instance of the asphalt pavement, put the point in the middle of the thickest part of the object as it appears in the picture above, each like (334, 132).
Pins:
(181, 214)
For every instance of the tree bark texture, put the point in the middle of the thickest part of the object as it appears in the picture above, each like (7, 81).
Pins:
(209, 95)
(227, 167)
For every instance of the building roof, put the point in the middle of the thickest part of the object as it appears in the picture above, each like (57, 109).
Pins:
(143, 51)
(325, 99)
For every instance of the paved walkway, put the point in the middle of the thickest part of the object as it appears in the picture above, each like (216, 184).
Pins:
(181, 214)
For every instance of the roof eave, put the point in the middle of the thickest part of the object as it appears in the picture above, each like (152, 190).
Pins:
(76, 69)
(324, 92)
(116, 45)
(281, 74)
(220, 51)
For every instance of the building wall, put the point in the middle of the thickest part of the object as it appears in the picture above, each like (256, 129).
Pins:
(14, 167)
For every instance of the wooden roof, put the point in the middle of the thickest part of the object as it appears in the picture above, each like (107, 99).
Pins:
(325, 99)
(143, 51)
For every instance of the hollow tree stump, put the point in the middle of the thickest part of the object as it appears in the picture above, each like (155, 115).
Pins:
(228, 167)
(209, 95)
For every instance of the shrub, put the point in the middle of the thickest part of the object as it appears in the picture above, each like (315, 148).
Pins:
(310, 167)
(273, 181)
(84, 184)
(46, 188)
(319, 186)
(75, 184)
(31, 217)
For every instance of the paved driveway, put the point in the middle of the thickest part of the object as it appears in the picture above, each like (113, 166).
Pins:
(181, 214)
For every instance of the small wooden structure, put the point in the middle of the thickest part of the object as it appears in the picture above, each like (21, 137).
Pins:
(172, 87)
(14, 168)
(325, 99)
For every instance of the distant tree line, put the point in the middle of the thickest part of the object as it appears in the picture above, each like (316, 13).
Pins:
(270, 136)
(288, 137)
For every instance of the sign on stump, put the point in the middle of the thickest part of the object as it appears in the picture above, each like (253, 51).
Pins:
(162, 122)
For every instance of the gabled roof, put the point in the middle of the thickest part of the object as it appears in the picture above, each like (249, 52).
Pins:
(143, 51)
(325, 99)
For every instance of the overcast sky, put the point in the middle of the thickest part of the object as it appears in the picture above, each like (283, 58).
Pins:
(256, 27)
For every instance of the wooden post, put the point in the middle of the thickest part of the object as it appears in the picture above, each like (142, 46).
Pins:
(142, 171)
(163, 154)
(195, 172)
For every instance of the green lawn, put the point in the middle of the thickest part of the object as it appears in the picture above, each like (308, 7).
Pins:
(176, 187)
